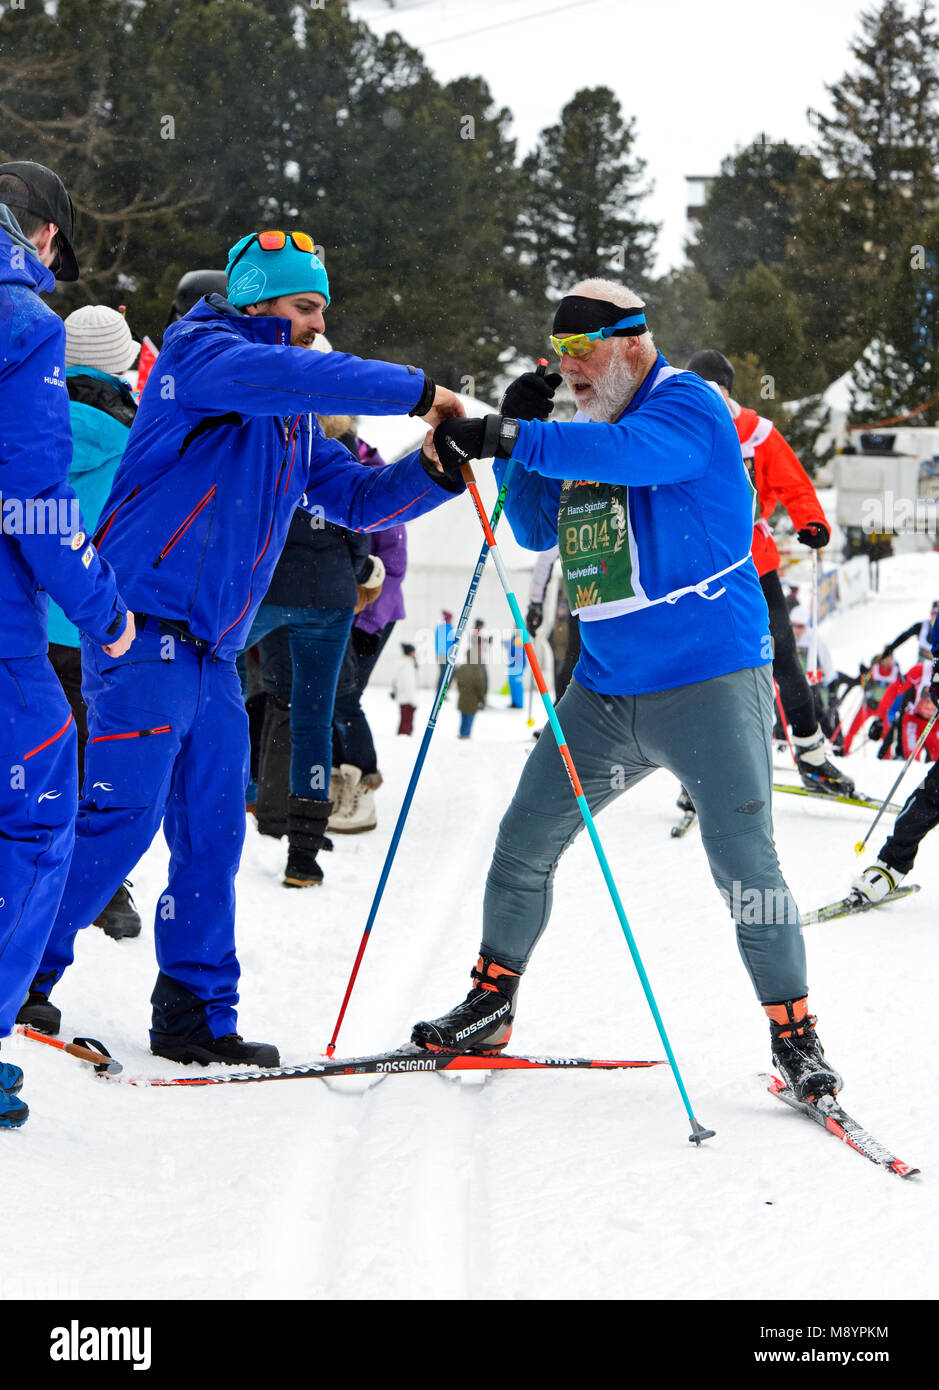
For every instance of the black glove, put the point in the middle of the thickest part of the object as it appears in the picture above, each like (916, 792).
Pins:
(876, 729)
(934, 685)
(534, 617)
(460, 441)
(816, 535)
(530, 396)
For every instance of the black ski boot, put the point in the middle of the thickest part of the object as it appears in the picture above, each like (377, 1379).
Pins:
(306, 829)
(120, 918)
(798, 1053)
(483, 1022)
(684, 802)
(38, 1011)
(817, 773)
(230, 1049)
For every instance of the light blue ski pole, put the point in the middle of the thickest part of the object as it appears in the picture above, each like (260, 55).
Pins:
(439, 698)
(698, 1131)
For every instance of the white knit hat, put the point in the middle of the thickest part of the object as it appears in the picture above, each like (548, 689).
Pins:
(96, 336)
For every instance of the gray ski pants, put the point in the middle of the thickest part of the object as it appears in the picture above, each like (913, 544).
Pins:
(715, 737)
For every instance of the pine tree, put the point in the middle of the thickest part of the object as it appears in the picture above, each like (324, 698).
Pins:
(879, 150)
(580, 216)
(760, 316)
(682, 315)
(747, 220)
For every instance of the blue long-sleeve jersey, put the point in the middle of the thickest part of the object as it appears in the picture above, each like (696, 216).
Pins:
(690, 510)
(225, 446)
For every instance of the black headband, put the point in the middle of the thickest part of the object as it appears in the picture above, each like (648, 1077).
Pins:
(578, 314)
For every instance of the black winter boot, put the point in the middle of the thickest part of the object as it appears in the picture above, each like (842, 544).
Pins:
(231, 1049)
(180, 1031)
(798, 1053)
(38, 1011)
(483, 1022)
(306, 829)
(274, 769)
(816, 771)
(120, 918)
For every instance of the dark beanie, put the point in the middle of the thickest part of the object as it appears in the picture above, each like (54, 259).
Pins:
(713, 366)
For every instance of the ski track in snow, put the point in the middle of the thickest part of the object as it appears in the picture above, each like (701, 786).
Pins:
(543, 1185)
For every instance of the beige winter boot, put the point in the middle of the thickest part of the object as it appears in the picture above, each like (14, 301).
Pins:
(340, 794)
(358, 812)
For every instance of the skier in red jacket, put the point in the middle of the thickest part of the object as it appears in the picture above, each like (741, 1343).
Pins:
(916, 708)
(778, 477)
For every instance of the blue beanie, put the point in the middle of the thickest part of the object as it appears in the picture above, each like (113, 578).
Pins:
(269, 274)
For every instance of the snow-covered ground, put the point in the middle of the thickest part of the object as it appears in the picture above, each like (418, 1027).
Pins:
(532, 1186)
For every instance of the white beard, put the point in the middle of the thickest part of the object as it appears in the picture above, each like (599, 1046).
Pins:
(612, 391)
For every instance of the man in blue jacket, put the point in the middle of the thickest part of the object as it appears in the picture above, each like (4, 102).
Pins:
(43, 550)
(648, 499)
(224, 447)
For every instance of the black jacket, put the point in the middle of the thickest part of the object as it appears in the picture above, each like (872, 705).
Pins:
(321, 564)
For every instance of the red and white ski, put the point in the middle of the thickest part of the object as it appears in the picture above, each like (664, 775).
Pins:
(403, 1059)
(828, 1113)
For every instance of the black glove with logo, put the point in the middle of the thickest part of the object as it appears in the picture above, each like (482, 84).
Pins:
(934, 684)
(458, 442)
(530, 396)
(876, 729)
(534, 617)
(816, 535)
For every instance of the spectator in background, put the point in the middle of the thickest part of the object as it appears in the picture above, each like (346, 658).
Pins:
(314, 593)
(355, 774)
(99, 350)
(471, 695)
(404, 687)
(192, 287)
(443, 636)
(481, 650)
(515, 659)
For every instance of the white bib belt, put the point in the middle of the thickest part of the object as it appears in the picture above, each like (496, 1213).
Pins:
(614, 609)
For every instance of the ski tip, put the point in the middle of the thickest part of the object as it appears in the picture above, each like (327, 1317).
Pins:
(903, 1170)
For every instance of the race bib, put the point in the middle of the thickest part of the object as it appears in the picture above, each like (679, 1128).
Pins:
(596, 545)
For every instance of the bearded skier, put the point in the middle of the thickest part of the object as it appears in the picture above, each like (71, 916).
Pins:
(675, 663)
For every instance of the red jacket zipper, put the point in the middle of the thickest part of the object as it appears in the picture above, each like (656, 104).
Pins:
(268, 537)
(184, 526)
(103, 531)
(49, 740)
(136, 733)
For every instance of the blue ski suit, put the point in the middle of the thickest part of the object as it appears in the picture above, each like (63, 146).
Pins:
(224, 448)
(43, 550)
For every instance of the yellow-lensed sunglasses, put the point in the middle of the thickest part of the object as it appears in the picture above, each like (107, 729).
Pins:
(582, 344)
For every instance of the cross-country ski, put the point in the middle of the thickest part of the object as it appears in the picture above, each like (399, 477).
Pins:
(827, 1112)
(853, 903)
(400, 1062)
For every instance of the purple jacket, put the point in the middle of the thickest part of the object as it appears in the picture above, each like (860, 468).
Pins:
(392, 548)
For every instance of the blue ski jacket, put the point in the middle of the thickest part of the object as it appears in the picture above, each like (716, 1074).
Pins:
(688, 508)
(225, 446)
(43, 546)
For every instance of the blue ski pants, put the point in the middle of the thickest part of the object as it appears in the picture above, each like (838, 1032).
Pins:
(168, 742)
(38, 797)
(714, 736)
